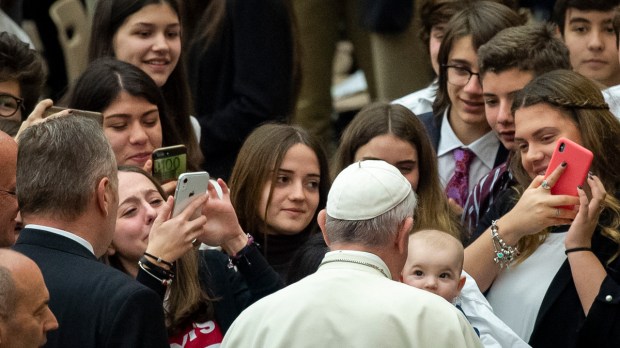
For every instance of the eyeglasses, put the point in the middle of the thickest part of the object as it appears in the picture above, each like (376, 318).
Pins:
(459, 75)
(9, 105)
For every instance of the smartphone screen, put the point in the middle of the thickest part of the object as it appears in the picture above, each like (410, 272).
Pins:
(169, 163)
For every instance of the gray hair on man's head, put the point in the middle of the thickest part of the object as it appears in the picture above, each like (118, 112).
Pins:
(373, 232)
(59, 164)
(8, 293)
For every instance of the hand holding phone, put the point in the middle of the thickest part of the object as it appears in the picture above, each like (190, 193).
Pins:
(169, 162)
(578, 160)
(97, 116)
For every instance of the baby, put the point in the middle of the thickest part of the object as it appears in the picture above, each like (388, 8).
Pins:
(435, 264)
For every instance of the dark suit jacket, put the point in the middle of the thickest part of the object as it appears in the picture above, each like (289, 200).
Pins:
(561, 321)
(95, 304)
(433, 128)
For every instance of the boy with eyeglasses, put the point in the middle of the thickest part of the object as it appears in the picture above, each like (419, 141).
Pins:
(21, 81)
(466, 147)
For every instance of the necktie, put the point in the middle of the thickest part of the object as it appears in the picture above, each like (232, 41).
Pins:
(458, 186)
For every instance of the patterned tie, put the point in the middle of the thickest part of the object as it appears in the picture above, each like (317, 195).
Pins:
(458, 186)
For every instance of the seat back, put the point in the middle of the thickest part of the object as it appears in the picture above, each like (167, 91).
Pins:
(73, 27)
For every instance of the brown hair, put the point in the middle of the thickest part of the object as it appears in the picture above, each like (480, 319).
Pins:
(561, 6)
(187, 302)
(580, 100)
(533, 48)
(482, 20)
(433, 211)
(260, 156)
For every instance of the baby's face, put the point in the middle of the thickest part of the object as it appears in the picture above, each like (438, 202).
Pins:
(434, 270)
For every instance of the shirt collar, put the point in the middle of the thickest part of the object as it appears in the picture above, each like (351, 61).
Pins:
(359, 257)
(65, 234)
(485, 148)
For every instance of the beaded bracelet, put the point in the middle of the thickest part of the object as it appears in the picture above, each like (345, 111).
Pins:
(504, 254)
(241, 254)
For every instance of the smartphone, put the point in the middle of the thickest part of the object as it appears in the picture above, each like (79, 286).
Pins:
(169, 162)
(578, 160)
(97, 116)
(189, 186)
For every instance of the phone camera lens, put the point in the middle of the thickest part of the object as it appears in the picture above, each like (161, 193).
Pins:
(562, 147)
(185, 181)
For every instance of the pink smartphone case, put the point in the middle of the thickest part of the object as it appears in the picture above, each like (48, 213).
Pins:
(578, 161)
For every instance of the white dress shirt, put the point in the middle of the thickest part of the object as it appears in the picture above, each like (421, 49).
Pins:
(421, 101)
(485, 149)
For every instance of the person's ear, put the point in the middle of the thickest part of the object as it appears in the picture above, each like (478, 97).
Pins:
(402, 238)
(461, 283)
(105, 196)
(321, 219)
(111, 250)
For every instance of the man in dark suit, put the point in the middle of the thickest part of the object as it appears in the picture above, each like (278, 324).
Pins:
(67, 192)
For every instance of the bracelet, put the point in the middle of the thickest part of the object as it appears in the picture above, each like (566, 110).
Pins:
(160, 271)
(504, 254)
(241, 254)
(164, 282)
(572, 250)
(159, 259)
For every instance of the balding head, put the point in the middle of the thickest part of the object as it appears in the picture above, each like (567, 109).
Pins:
(25, 316)
(8, 200)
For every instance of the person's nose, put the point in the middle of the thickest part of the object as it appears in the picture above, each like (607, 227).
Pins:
(595, 41)
(138, 134)
(533, 154)
(430, 283)
(50, 323)
(473, 86)
(161, 43)
(297, 192)
(504, 116)
(150, 215)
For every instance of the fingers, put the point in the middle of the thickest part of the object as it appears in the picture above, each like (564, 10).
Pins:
(224, 186)
(169, 187)
(164, 214)
(196, 203)
(148, 166)
(555, 175)
(598, 194)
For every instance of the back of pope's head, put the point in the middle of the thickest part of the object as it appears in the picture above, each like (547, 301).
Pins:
(367, 204)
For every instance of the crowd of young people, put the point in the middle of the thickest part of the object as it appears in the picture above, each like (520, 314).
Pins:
(525, 266)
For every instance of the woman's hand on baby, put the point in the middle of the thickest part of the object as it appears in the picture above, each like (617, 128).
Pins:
(170, 238)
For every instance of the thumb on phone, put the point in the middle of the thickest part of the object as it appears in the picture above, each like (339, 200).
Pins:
(148, 166)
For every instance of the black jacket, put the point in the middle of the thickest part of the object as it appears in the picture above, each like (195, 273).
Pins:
(242, 79)
(95, 304)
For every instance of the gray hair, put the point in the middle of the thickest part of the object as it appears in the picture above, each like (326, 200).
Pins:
(59, 164)
(8, 293)
(374, 232)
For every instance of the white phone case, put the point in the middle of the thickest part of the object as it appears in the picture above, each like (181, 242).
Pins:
(189, 187)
